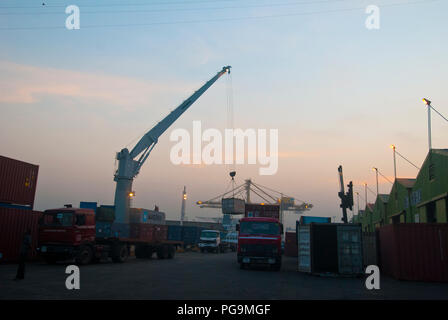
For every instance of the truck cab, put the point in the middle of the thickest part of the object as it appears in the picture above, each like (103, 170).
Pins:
(260, 242)
(67, 233)
(210, 240)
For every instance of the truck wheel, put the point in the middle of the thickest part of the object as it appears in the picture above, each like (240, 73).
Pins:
(140, 252)
(120, 253)
(84, 255)
(171, 252)
(161, 253)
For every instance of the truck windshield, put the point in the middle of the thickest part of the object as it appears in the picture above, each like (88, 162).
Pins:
(209, 234)
(256, 227)
(61, 219)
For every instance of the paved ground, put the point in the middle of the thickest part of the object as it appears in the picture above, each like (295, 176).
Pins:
(200, 276)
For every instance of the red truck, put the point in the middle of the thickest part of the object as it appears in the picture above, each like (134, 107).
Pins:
(69, 233)
(260, 242)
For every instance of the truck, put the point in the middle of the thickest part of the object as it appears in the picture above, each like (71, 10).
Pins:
(260, 242)
(73, 233)
(212, 241)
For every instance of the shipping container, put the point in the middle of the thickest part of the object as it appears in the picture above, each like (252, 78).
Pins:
(148, 232)
(329, 248)
(120, 230)
(175, 233)
(370, 248)
(105, 213)
(233, 206)
(191, 235)
(310, 219)
(291, 249)
(139, 215)
(262, 210)
(13, 225)
(18, 181)
(415, 251)
(103, 229)
(88, 205)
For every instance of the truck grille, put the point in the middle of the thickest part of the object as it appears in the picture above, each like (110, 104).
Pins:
(262, 250)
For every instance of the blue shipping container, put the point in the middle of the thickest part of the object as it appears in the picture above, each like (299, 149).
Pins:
(308, 220)
(120, 230)
(88, 205)
(191, 235)
(175, 233)
(103, 229)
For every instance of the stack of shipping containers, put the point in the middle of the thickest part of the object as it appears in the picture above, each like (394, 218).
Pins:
(18, 182)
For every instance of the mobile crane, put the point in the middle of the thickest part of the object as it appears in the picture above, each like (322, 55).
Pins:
(130, 163)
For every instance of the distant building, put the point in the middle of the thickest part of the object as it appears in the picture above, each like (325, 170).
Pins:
(379, 216)
(430, 191)
(419, 200)
(399, 209)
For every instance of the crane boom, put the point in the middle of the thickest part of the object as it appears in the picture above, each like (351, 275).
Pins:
(129, 163)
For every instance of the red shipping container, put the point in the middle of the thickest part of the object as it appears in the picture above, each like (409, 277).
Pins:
(415, 251)
(13, 225)
(18, 181)
(291, 249)
(149, 232)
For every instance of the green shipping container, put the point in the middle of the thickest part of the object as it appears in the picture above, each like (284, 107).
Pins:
(105, 214)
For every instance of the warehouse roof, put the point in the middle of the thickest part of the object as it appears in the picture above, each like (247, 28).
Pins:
(443, 152)
(406, 182)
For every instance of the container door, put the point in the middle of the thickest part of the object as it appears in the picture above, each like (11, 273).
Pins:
(349, 249)
(304, 247)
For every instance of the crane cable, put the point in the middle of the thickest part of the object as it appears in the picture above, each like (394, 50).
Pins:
(230, 116)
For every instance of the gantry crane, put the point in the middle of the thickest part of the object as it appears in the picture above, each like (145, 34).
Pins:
(130, 163)
(244, 191)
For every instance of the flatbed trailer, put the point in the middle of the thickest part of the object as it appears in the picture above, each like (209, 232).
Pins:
(71, 234)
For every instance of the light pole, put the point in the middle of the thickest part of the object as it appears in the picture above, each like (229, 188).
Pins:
(395, 161)
(428, 103)
(365, 189)
(357, 196)
(376, 170)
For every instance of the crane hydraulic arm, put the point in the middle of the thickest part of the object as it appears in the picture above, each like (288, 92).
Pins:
(129, 163)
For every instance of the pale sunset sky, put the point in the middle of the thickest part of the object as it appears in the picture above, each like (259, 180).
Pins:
(337, 92)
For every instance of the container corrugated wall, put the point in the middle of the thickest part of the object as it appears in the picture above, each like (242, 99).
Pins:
(13, 225)
(149, 232)
(415, 251)
(18, 181)
(369, 248)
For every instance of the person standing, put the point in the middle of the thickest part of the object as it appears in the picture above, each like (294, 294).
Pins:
(24, 250)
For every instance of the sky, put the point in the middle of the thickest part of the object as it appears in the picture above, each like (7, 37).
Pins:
(338, 93)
